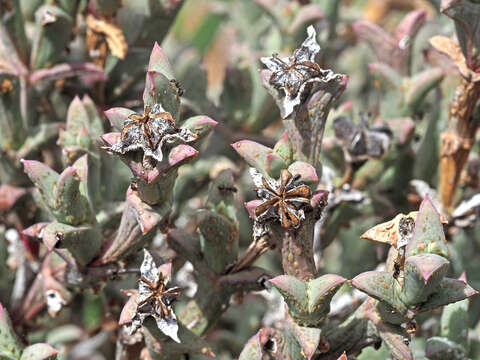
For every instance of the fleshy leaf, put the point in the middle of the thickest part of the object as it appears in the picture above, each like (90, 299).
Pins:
(260, 157)
(53, 30)
(420, 84)
(160, 90)
(440, 348)
(307, 337)
(39, 351)
(117, 117)
(44, 178)
(381, 286)
(159, 62)
(307, 172)
(146, 216)
(308, 302)
(282, 147)
(293, 290)
(252, 349)
(83, 242)
(320, 292)
(200, 125)
(454, 322)
(71, 206)
(428, 236)
(9, 195)
(448, 291)
(422, 273)
(219, 240)
(10, 345)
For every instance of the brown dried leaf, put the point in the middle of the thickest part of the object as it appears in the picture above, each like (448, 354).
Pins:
(452, 49)
(387, 232)
(216, 62)
(113, 35)
(376, 11)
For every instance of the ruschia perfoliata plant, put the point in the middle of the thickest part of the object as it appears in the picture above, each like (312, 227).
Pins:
(239, 179)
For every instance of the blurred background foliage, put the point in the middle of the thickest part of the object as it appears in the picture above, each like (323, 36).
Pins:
(214, 48)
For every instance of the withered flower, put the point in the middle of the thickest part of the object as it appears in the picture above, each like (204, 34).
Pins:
(360, 142)
(283, 200)
(296, 74)
(154, 299)
(149, 132)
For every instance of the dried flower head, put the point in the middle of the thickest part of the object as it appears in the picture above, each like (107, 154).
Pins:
(283, 200)
(154, 299)
(359, 142)
(149, 132)
(296, 74)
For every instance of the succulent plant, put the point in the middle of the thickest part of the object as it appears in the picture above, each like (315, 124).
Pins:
(129, 229)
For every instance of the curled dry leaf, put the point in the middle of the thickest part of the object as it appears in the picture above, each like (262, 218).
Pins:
(102, 33)
(452, 49)
(396, 232)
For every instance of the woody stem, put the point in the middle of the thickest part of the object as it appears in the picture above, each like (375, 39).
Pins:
(457, 140)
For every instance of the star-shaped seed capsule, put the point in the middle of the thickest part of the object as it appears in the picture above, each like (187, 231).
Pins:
(296, 74)
(283, 200)
(150, 132)
(154, 299)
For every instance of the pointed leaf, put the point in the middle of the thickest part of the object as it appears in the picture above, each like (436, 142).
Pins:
(381, 286)
(409, 26)
(84, 242)
(159, 90)
(44, 179)
(10, 345)
(200, 125)
(117, 117)
(71, 206)
(39, 351)
(454, 322)
(417, 87)
(283, 148)
(422, 274)
(130, 308)
(428, 235)
(320, 292)
(307, 172)
(9, 195)
(382, 43)
(63, 71)
(219, 240)
(260, 157)
(253, 349)
(146, 216)
(307, 337)
(52, 34)
(159, 62)
(293, 291)
(448, 291)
